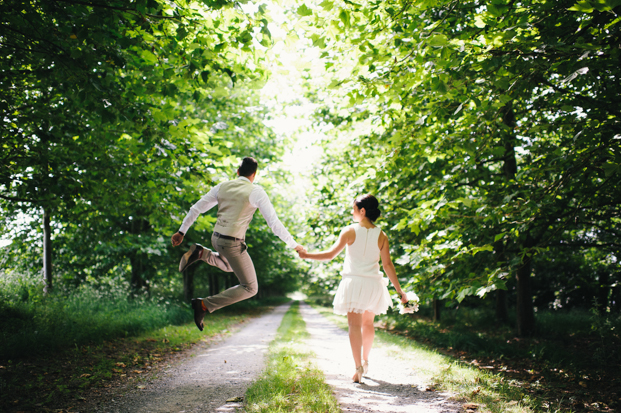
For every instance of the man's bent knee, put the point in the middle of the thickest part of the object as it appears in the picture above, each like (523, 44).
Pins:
(251, 289)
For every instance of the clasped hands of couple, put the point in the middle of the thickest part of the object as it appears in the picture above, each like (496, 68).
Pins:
(302, 252)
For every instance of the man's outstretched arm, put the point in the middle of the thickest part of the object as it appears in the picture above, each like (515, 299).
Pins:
(260, 199)
(204, 204)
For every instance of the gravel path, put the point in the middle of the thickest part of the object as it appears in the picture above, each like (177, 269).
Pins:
(204, 382)
(390, 386)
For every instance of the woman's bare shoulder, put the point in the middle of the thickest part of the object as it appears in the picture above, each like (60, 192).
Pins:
(349, 232)
(382, 239)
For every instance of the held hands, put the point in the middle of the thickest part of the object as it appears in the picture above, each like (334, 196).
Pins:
(176, 239)
(404, 297)
(301, 251)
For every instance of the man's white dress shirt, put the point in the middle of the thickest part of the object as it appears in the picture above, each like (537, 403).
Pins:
(258, 199)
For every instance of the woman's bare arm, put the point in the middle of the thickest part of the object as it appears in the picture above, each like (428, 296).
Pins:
(347, 237)
(389, 267)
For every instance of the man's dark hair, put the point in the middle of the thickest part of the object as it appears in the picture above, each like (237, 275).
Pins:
(248, 166)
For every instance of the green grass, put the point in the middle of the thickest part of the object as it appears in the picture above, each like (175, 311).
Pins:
(290, 382)
(491, 392)
(71, 376)
(87, 315)
(557, 335)
(82, 317)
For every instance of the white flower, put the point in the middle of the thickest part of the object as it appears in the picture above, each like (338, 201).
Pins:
(411, 306)
(412, 296)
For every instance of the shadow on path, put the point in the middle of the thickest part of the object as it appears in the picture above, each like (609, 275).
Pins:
(390, 386)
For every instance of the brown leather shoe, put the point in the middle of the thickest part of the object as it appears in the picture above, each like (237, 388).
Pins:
(190, 257)
(199, 313)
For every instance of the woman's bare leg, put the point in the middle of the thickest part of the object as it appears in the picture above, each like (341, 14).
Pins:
(355, 336)
(368, 333)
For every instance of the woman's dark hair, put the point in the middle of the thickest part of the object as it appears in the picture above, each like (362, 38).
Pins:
(248, 166)
(370, 205)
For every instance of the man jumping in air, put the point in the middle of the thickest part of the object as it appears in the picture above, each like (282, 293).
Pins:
(237, 201)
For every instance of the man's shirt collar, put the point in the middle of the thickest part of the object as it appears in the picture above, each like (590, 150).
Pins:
(244, 178)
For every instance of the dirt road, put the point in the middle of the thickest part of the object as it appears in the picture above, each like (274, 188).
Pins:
(391, 384)
(208, 378)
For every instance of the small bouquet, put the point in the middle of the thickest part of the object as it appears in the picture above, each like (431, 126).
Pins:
(411, 306)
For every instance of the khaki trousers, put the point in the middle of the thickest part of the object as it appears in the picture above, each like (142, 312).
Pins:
(232, 256)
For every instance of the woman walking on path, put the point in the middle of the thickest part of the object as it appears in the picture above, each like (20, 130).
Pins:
(362, 292)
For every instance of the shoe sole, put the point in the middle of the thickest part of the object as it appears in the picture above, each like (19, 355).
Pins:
(184, 260)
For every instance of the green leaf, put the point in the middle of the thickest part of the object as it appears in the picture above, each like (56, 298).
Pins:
(478, 21)
(344, 16)
(304, 11)
(438, 40)
(476, 250)
(582, 6)
(148, 57)
(611, 169)
(327, 5)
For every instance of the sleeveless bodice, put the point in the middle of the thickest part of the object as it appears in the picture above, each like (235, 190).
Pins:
(362, 256)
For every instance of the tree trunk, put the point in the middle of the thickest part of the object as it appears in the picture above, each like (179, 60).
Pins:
(47, 252)
(188, 283)
(436, 309)
(603, 291)
(137, 258)
(230, 280)
(214, 284)
(502, 307)
(616, 299)
(136, 263)
(525, 312)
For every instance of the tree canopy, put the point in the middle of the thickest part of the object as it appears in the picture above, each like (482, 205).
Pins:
(489, 131)
(118, 116)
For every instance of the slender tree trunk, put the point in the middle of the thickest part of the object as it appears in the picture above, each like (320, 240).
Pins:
(136, 263)
(47, 252)
(137, 259)
(229, 280)
(525, 311)
(603, 291)
(436, 309)
(188, 283)
(214, 284)
(502, 307)
(616, 299)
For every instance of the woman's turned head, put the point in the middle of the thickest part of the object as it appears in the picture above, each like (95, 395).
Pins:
(366, 206)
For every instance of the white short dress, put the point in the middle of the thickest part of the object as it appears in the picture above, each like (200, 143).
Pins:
(363, 287)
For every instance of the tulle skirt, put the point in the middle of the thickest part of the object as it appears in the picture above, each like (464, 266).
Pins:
(358, 294)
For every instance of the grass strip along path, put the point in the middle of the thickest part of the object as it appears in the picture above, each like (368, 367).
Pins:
(290, 382)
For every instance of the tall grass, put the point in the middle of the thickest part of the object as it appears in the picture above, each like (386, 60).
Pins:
(31, 323)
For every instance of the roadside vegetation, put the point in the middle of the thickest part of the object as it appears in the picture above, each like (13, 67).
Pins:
(469, 356)
(95, 344)
(290, 382)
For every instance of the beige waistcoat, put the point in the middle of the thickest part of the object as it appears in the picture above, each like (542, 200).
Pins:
(234, 209)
